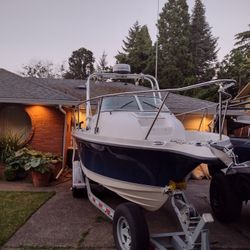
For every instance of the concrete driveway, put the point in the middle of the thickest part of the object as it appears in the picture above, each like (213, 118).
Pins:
(67, 223)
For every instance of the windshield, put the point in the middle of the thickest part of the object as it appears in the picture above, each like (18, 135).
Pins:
(132, 103)
(127, 103)
(151, 103)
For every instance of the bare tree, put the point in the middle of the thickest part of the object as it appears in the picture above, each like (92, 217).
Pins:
(43, 69)
(102, 64)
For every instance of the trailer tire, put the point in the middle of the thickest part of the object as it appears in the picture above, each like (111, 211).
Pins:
(214, 169)
(224, 201)
(130, 228)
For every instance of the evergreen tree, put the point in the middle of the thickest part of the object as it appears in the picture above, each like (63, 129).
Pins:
(138, 50)
(139, 55)
(236, 65)
(175, 60)
(128, 43)
(243, 42)
(81, 64)
(203, 44)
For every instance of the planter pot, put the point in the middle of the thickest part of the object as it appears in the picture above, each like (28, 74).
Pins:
(10, 174)
(39, 179)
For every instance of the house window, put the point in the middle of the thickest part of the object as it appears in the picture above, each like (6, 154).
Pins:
(15, 122)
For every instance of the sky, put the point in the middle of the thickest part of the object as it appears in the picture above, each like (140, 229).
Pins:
(51, 30)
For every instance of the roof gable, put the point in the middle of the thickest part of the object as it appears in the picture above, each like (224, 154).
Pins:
(244, 92)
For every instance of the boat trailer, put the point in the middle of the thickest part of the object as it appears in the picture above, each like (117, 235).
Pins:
(194, 234)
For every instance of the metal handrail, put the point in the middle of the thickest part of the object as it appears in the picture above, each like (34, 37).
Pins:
(173, 90)
(203, 116)
(159, 111)
(98, 116)
(222, 83)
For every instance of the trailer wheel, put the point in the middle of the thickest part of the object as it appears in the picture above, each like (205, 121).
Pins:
(224, 201)
(214, 169)
(130, 228)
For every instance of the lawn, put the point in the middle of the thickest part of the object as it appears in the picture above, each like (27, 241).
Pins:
(16, 208)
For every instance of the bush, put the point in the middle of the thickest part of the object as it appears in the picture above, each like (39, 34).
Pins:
(8, 145)
(32, 160)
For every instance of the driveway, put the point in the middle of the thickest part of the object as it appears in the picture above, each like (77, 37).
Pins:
(67, 223)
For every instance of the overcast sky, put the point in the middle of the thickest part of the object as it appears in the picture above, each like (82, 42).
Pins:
(52, 29)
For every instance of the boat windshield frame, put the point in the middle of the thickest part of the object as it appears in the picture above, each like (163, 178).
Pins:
(132, 103)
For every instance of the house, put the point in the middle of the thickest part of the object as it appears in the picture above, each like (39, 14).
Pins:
(178, 104)
(244, 96)
(42, 109)
(42, 115)
(241, 102)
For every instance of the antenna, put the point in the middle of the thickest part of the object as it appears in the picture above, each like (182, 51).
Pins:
(156, 45)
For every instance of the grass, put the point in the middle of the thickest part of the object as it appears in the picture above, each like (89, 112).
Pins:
(16, 208)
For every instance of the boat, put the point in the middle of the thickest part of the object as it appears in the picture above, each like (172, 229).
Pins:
(135, 146)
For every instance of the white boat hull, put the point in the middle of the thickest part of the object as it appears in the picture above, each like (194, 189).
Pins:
(149, 197)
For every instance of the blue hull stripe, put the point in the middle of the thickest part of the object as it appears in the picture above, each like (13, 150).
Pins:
(142, 166)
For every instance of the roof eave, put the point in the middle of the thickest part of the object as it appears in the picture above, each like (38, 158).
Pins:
(39, 101)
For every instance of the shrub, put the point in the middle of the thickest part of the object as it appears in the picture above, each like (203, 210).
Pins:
(8, 145)
(32, 160)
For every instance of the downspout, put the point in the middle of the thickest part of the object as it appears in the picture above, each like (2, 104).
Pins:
(64, 141)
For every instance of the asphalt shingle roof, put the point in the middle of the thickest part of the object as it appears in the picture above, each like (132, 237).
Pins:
(17, 89)
(176, 103)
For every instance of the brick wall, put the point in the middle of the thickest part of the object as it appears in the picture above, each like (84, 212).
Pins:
(48, 125)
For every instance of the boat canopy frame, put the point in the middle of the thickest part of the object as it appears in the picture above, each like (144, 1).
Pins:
(223, 85)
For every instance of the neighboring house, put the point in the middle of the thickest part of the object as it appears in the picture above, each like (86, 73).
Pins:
(244, 97)
(42, 109)
(242, 103)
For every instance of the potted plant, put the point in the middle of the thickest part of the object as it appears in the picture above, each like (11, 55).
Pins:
(39, 165)
(37, 162)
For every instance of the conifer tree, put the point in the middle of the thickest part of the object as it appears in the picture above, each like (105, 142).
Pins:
(203, 44)
(236, 64)
(138, 50)
(243, 42)
(139, 55)
(128, 43)
(175, 61)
